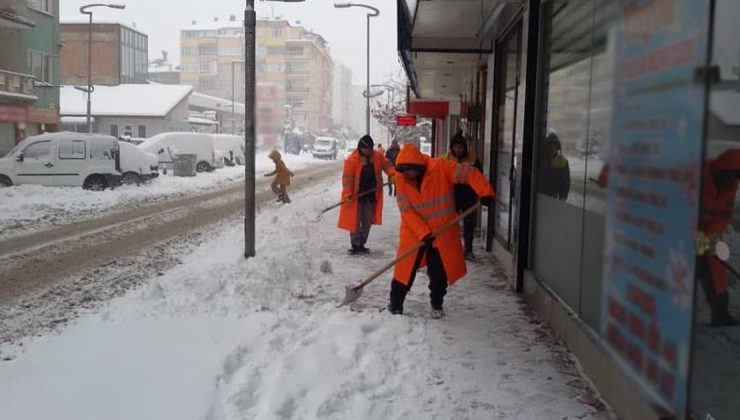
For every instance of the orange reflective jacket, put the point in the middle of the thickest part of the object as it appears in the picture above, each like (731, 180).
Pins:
(425, 210)
(351, 187)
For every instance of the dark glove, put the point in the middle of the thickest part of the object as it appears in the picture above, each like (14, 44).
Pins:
(428, 240)
(486, 201)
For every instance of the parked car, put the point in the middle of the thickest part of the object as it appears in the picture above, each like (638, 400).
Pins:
(137, 166)
(90, 161)
(325, 148)
(231, 146)
(168, 145)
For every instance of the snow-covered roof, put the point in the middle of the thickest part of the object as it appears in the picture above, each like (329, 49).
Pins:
(135, 100)
(215, 103)
(201, 121)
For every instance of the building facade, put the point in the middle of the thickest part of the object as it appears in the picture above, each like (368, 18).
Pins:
(29, 70)
(294, 60)
(342, 95)
(120, 54)
(598, 122)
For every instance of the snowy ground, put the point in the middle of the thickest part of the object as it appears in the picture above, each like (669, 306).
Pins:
(32, 207)
(221, 338)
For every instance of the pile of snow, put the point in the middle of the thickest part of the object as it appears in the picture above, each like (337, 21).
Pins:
(29, 207)
(220, 337)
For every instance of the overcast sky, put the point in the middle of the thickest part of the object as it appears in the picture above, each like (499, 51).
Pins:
(344, 29)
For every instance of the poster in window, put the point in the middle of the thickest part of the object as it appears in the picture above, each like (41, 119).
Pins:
(653, 191)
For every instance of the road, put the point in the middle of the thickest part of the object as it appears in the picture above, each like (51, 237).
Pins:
(46, 277)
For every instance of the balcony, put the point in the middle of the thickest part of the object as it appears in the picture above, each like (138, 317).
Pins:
(17, 86)
(14, 14)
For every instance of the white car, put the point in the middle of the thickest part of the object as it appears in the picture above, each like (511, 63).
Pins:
(90, 161)
(137, 166)
(325, 148)
(168, 145)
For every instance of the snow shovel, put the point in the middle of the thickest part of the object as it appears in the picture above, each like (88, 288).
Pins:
(352, 293)
(347, 200)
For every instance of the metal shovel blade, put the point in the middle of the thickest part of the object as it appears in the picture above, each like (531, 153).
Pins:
(351, 294)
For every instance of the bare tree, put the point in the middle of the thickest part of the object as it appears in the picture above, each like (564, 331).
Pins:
(395, 104)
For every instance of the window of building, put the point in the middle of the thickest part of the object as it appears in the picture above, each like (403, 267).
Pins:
(189, 51)
(208, 50)
(231, 51)
(46, 6)
(189, 68)
(295, 50)
(142, 131)
(71, 149)
(207, 67)
(277, 32)
(39, 65)
(128, 131)
(114, 130)
(275, 50)
(37, 151)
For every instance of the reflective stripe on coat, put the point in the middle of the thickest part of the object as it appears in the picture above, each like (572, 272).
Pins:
(422, 212)
(351, 187)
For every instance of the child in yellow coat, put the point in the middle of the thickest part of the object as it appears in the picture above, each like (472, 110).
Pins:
(282, 177)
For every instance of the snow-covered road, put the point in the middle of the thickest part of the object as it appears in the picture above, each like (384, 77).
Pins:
(219, 338)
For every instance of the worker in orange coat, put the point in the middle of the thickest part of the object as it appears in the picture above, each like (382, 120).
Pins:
(719, 187)
(363, 172)
(426, 200)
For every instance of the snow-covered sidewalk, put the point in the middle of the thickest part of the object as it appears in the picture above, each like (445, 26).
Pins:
(31, 207)
(221, 338)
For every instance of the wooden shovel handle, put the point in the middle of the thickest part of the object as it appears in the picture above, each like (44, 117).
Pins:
(413, 249)
(352, 198)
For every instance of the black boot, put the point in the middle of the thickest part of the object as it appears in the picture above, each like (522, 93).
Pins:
(398, 295)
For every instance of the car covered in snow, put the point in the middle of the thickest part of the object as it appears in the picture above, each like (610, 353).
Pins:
(325, 148)
(231, 146)
(137, 166)
(166, 146)
(91, 161)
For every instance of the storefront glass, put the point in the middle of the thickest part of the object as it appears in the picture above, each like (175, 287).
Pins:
(715, 377)
(576, 92)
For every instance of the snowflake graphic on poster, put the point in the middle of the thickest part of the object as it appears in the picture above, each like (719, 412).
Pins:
(677, 271)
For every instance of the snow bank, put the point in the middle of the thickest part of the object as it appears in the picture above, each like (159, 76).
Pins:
(30, 207)
(222, 338)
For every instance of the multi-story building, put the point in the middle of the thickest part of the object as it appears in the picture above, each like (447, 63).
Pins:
(292, 59)
(342, 95)
(120, 54)
(29, 70)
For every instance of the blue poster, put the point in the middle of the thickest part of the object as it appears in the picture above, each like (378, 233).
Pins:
(653, 192)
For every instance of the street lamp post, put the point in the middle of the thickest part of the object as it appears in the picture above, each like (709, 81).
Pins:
(84, 11)
(374, 13)
(250, 26)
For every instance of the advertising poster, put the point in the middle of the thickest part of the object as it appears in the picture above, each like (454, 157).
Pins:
(653, 191)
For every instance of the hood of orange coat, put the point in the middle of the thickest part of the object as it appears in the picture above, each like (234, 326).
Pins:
(411, 155)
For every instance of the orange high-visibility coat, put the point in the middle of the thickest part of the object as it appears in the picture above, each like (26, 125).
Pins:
(351, 187)
(423, 211)
(717, 207)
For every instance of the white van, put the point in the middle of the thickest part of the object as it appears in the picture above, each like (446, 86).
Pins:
(168, 145)
(137, 166)
(90, 161)
(231, 146)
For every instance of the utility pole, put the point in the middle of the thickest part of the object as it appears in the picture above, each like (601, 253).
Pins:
(250, 25)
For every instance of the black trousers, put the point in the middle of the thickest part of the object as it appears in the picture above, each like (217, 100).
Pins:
(437, 281)
(718, 302)
(469, 223)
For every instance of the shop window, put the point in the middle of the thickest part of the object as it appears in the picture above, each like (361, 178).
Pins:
(716, 342)
(576, 86)
(142, 131)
